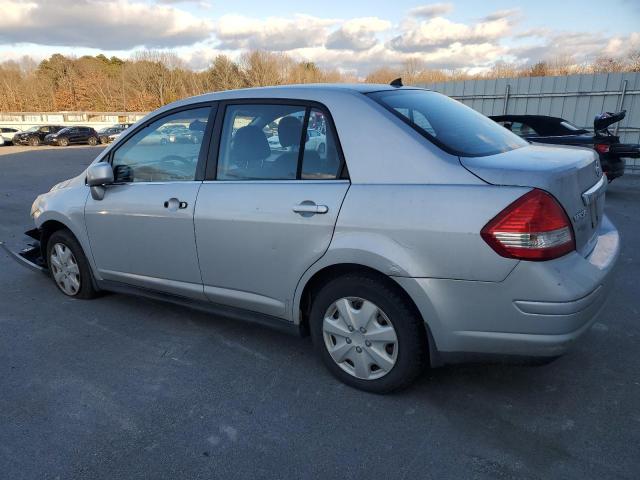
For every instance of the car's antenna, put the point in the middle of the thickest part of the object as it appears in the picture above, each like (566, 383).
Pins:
(397, 83)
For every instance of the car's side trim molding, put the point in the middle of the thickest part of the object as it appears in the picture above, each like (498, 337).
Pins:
(234, 313)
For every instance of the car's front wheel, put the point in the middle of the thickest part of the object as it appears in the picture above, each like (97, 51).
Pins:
(34, 141)
(69, 266)
(63, 142)
(367, 333)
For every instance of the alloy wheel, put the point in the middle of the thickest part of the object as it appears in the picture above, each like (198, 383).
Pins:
(360, 338)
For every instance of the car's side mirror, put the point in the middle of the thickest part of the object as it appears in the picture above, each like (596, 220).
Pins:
(99, 175)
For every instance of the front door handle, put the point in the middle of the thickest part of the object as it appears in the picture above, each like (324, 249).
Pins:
(174, 204)
(308, 208)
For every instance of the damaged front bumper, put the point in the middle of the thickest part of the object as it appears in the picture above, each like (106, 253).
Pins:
(30, 256)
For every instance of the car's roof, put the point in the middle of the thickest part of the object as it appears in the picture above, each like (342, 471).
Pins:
(317, 88)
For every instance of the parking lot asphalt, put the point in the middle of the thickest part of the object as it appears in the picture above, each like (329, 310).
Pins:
(124, 387)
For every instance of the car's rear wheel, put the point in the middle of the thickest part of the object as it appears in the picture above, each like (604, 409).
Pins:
(34, 141)
(367, 333)
(93, 141)
(69, 266)
(63, 142)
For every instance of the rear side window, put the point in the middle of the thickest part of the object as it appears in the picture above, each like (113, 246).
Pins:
(269, 142)
(452, 126)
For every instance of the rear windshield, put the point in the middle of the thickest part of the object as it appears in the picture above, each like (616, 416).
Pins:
(448, 123)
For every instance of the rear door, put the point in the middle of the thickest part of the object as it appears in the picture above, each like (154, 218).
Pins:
(141, 233)
(267, 209)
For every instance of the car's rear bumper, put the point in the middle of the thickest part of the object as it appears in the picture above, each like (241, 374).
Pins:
(539, 310)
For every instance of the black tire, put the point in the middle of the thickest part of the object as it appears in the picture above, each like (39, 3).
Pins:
(104, 140)
(409, 328)
(34, 141)
(93, 141)
(63, 142)
(66, 238)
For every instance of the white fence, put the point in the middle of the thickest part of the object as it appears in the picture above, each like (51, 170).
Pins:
(577, 98)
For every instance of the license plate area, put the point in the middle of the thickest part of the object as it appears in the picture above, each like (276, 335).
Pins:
(593, 199)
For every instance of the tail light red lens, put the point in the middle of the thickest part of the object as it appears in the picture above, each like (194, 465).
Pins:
(534, 227)
(601, 148)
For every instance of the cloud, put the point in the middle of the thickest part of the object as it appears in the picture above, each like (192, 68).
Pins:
(273, 33)
(432, 10)
(100, 24)
(440, 32)
(357, 34)
(577, 46)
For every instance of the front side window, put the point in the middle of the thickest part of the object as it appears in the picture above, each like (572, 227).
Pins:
(165, 150)
(449, 124)
(260, 142)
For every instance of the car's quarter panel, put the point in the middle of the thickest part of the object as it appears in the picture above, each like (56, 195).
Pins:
(135, 239)
(425, 230)
(253, 248)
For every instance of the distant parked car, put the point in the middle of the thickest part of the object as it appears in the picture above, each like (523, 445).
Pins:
(8, 133)
(35, 136)
(70, 135)
(109, 134)
(317, 141)
(558, 131)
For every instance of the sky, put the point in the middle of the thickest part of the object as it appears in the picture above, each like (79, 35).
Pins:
(351, 35)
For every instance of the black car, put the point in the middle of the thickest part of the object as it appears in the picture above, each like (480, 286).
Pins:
(35, 135)
(558, 131)
(104, 133)
(70, 135)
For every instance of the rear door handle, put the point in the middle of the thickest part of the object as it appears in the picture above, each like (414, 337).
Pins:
(175, 204)
(309, 208)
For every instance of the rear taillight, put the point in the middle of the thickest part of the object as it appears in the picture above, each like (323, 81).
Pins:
(601, 147)
(534, 227)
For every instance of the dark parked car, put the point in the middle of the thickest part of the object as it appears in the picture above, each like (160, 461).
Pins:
(35, 135)
(105, 134)
(558, 131)
(70, 135)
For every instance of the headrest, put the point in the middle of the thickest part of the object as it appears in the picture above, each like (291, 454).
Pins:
(250, 144)
(289, 130)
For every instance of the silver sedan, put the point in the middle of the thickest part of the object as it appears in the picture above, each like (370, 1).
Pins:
(425, 233)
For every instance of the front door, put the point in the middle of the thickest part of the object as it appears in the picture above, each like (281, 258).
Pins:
(268, 210)
(141, 232)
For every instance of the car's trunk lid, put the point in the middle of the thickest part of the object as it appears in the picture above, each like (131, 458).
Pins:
(572, 175)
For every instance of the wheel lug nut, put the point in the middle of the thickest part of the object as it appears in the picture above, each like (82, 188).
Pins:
(363, 330)
(367, 343)
(348, 340)
(350, 328)
(358, 349)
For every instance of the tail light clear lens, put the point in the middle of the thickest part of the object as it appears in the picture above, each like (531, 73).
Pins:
(601, 148)
(534, 227)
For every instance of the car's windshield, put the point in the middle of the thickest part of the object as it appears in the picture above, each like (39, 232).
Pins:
(64, 130)
(449, 124)
(32, 129)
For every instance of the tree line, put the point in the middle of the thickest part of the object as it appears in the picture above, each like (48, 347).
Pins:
(150, 79)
